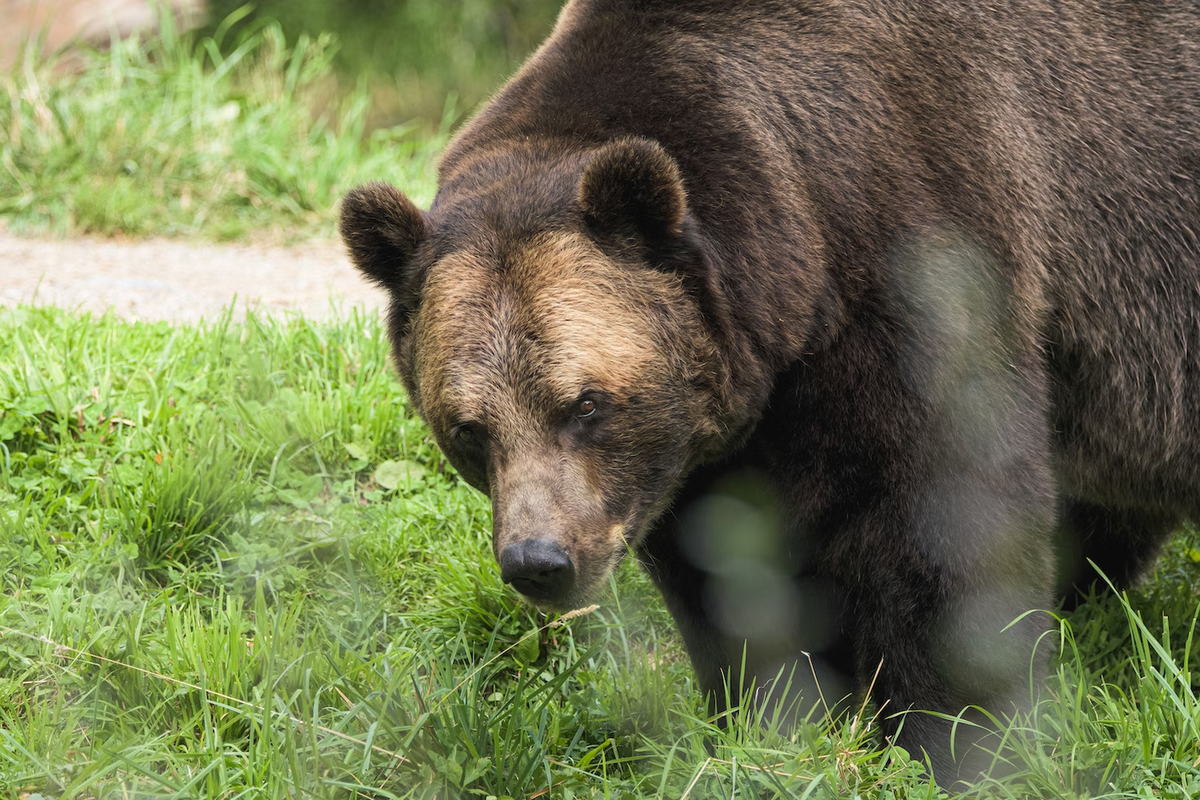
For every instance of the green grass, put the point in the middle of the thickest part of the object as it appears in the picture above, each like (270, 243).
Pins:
(220, 136)
(234, 565)
(417, 53)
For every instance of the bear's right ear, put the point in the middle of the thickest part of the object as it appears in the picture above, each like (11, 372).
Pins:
(381, 228)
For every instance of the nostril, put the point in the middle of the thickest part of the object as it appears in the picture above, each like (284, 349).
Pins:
(538, 568)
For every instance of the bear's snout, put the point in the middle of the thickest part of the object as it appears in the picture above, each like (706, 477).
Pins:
(538, 568)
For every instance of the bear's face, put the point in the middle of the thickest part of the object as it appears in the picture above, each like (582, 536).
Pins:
(559, 385)
(563, 369)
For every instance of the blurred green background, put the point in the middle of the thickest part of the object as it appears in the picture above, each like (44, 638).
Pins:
(423, 59)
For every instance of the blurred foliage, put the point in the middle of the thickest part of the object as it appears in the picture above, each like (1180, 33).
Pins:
(224, 136)
(423, 59)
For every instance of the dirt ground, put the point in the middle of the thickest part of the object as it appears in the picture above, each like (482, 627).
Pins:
(164, 279)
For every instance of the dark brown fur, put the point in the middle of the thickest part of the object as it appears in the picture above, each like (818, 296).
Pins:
(913, 286)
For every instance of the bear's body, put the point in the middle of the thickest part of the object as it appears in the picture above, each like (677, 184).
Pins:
(865, 324)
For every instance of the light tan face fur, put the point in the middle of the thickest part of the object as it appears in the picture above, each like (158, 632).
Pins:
(512, 346)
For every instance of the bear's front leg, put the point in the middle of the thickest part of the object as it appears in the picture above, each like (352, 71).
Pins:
(760, 629)
(939, 613)
(935, 512)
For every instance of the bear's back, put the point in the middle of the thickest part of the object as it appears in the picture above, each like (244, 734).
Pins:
(814, 137)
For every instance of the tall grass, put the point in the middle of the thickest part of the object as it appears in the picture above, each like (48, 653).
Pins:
(179, 134)
(416, 53)
(209, 592)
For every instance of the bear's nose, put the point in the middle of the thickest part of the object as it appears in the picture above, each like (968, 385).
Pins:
(538, 568)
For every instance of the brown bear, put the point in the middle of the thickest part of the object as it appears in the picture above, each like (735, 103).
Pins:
(865, 325)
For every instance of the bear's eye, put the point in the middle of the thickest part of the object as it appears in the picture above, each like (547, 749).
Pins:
(467, 433)
(585, 409)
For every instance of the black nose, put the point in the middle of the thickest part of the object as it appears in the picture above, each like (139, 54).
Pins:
(538, 568)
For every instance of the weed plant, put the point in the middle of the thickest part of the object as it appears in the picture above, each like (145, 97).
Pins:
(234, 565)
(180, 134)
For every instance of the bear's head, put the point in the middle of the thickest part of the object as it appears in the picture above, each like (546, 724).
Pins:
(548, 321)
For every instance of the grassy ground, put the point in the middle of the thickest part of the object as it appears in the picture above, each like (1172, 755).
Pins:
(234, 565)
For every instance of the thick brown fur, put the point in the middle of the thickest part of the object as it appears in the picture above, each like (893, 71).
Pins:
(913, 287)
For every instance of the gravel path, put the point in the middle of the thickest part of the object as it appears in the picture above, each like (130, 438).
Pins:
(180, 281)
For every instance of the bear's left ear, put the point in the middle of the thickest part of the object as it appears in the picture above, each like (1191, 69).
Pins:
(381, 228)
(631, 187)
